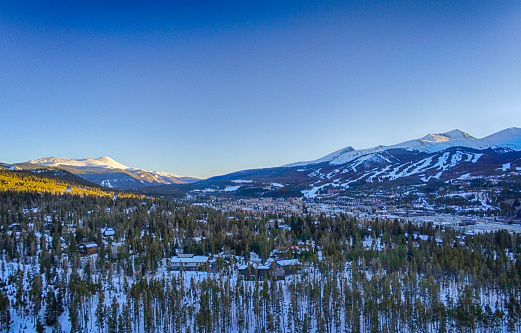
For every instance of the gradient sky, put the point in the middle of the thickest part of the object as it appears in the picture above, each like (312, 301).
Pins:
(202, 88)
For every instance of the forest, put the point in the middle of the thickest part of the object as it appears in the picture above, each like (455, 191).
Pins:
(354, 275)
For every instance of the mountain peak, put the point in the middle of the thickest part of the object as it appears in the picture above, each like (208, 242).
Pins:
(447, 136)
(107, 172)
(431, 143)
(50, 161)
(458, 134)
(110, 163)
(106, 162)
(510, 138)
(326, 158)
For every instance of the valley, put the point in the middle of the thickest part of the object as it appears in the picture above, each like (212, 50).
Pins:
(390, 239)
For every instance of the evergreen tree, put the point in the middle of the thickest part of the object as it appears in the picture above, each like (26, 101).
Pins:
(5, 313)
(100, 311)
(51, 310)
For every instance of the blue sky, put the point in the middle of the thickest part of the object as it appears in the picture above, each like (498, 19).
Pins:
(204, 88)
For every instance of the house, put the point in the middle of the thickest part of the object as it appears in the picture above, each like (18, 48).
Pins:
(252, 271)
(248, 271)
(272, 222)
(88, 248)
(289, 265)
(278, 272)
(190, 262)
(107, 232)
(263, 271)
(15, 227)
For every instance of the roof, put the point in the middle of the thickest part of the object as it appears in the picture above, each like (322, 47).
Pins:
(287, 262)
(89, 245)
(200, 259)
(108, 231)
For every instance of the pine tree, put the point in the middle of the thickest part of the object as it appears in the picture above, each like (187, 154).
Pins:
(100, 311)
(35, 294)
(51, 309)
(39, 327)
(125, 324)
(113, 318)
(73, 316)
(5, 313)
(57, 327)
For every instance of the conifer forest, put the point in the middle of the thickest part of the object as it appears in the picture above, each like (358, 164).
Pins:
(351, 274)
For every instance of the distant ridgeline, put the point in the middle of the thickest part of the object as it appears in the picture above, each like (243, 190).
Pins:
(52, 181)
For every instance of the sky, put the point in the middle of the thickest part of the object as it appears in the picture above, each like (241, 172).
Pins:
(203, 88)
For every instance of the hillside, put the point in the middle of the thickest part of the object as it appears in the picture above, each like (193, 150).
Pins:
(49, 181)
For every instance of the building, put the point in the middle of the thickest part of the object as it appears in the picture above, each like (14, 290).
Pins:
(289, 265)
(88, 248)
(252, 271)
(190, 262)
(108, 232)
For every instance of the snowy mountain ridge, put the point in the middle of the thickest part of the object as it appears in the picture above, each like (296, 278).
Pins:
(454, 156)
(103, 162)
(107, 172)
(509, 139)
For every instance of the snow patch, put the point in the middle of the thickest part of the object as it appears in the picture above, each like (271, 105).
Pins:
(464, 177)
(231, 188)
(106, 183)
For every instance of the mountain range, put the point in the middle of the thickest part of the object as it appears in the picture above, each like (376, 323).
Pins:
(450, 156)
(107, 172)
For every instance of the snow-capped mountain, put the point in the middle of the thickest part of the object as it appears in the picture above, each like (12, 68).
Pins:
(102, 162)
(431, 143)
(450, 156)
(443, 157)
(509, 138)
(107, 172)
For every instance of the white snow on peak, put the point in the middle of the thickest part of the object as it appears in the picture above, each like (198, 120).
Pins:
(435, 138)
(444, 137)
(507, 138)
(431, 143)
(325, 158)
(109, 163)
(104, 162)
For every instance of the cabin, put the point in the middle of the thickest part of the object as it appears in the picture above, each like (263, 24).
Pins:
(87, 249)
